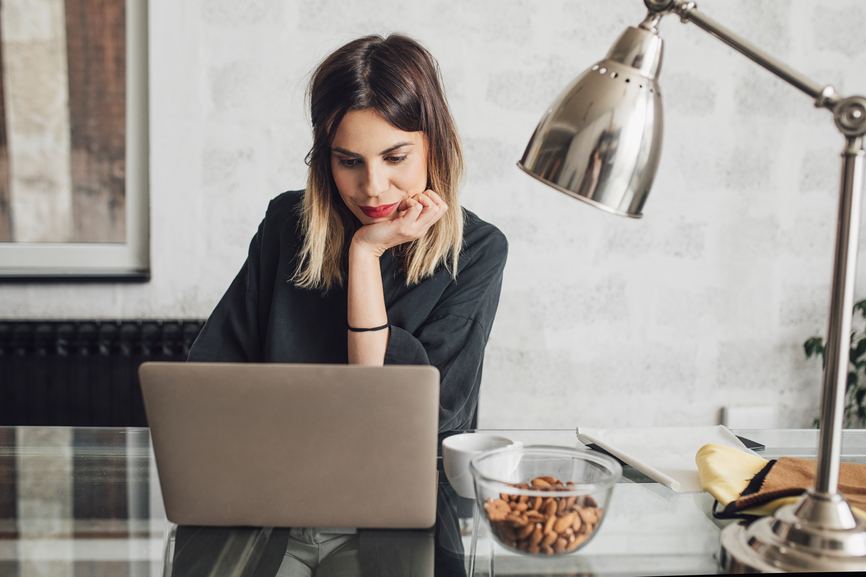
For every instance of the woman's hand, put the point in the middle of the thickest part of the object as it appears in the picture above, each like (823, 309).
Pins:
(415, 216)
(366, 304)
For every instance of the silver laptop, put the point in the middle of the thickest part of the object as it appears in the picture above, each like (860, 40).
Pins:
(294, 445)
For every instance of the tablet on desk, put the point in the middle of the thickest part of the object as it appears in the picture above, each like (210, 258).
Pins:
(749, 444)
(281, 445)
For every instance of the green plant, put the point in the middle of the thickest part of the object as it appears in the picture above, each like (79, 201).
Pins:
(855, 388)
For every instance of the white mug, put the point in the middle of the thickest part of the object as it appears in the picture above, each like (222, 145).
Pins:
(457, 450)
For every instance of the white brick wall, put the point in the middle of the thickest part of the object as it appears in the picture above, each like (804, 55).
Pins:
(604, 321)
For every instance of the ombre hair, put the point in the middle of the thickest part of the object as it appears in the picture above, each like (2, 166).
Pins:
(399, 79)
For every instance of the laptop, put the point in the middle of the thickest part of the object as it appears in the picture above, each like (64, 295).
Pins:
(289, 445)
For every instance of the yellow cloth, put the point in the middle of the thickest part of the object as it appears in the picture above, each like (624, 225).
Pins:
(725, 473)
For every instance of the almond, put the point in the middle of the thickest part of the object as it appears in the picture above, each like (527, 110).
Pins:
(587, 515)
(517, 520)
(572, 545)
(537, 535)
(548, 527)
(560, 545)
(525, 531)
(560, 506)
(564, 522)
(549, 540)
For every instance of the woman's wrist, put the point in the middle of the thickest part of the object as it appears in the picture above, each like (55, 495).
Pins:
(358, 249)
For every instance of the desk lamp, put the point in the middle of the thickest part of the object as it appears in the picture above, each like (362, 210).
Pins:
(600, 143)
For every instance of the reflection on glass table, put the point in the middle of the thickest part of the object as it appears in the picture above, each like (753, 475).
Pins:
(83, 502)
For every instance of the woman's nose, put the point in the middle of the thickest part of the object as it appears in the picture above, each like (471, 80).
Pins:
(376, 181)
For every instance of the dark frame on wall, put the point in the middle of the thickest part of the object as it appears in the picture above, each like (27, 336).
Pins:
(107, 154)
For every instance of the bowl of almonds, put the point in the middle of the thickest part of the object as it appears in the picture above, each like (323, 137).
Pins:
(543, 500)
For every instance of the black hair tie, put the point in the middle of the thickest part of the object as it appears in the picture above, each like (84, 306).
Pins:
(354, 330)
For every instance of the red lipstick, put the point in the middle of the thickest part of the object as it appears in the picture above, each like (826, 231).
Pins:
(379, 211)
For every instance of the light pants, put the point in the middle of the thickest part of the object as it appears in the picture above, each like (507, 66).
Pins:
(321, 553)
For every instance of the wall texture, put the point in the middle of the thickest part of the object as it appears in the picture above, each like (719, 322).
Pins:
(603, 321)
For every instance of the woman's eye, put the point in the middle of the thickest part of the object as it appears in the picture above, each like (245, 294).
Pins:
(395, 159)
(349, 162)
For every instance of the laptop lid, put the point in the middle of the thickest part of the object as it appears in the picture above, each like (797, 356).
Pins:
(289, 445)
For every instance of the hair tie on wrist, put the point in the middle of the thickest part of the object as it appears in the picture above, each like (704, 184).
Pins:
(354, 330)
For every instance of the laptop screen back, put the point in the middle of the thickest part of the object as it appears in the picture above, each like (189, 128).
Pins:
(294, 445)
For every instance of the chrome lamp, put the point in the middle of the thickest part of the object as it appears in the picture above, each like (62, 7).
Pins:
(600, 142)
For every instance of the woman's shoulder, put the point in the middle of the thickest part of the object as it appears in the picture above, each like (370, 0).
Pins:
(283, 214)
(480, 235)
(279, 230)
(286, 205)
(485, 247)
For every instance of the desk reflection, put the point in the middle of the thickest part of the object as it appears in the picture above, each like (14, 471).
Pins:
(269, 552)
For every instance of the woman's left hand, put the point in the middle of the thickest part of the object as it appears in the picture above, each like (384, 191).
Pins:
(415, 215)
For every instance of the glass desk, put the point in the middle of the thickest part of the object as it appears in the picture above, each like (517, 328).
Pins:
(86, 502)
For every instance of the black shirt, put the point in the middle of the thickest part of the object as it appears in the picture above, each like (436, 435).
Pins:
(264, 317)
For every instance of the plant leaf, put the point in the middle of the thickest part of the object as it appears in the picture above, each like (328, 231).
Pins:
(814, 346)
(851, 381)
(857, 350)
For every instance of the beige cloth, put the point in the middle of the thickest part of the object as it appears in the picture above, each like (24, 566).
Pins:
(789, 477)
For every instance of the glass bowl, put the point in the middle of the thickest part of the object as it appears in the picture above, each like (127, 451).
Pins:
(543, 500)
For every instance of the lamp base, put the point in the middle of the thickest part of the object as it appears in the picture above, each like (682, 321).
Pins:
(819, 533)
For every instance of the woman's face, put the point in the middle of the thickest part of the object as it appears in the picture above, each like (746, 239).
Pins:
(376, 165)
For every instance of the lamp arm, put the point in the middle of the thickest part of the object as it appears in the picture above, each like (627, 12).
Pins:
(824, 96)
(848, 113)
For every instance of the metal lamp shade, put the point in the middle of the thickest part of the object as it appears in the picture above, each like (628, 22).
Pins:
(600, 141)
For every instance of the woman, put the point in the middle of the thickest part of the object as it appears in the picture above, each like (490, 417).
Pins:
(375, 262)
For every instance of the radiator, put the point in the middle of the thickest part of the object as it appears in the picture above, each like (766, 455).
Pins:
(83, 373)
